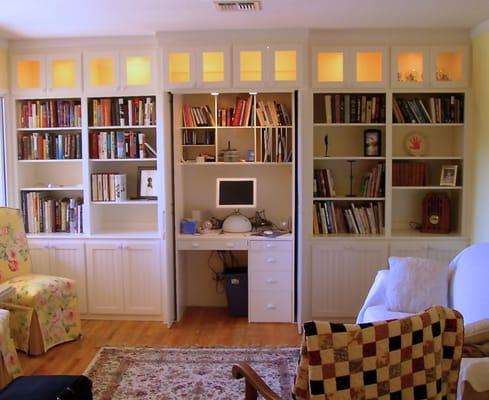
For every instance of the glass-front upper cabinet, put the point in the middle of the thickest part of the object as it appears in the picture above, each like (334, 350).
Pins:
(449, 66)
(208, 67)
(336, 67)
(119, 71)
(46, 74)
(267, 66)
(409, 67)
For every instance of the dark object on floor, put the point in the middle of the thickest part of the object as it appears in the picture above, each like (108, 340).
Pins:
(48, 387)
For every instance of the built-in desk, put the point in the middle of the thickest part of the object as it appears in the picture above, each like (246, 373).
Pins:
(270, 270)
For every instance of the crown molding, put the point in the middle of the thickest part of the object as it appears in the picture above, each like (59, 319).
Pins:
(480, 29)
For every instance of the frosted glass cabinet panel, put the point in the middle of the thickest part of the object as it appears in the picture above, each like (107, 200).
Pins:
(410, 67)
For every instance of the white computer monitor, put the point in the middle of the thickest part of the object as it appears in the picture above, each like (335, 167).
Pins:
(236, 193)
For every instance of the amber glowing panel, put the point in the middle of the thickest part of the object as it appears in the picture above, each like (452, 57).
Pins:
(213, 66)
(410, 66)
(449, 66)
(285, 65)
(28, 74)
(179, 67)
(330, 67)
(63, 73)
(138, 70)
(250, 66)
(369, 66)
(102, 71)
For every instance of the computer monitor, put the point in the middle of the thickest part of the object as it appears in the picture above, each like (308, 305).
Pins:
(236, 193)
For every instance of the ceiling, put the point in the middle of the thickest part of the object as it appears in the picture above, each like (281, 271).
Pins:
(88, 18)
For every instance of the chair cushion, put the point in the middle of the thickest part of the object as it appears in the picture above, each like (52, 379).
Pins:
(381, 312)
(408, 275)
(14, 254)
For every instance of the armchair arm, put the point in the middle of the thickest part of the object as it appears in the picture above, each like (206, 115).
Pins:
(376, 294)
(254, 384)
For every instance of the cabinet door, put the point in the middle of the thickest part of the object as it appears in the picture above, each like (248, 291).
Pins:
(371, 67)
(142, 277)
(179, 68)
(410, 66)
(137, 70)
(28, 74)
(408, 249)
(101, 71)
(438, 250)
(449, 66)
(249, 66)
(446, 251)
(286, 66)
(213, 67)
(329, 66)
(342, 274)
(68, 261)
(104, 278)
(39, 251)
(63, 73)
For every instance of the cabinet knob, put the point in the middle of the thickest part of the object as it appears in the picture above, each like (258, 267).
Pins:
(271, 280)
(271, 306)
(195, 245)
(271, 260)
(120, 246)
(229, 244)
(268, 245)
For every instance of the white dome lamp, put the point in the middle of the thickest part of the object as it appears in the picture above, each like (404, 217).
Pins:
(236, 223)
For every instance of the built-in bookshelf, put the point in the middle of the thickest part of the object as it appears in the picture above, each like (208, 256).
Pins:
(49, 137)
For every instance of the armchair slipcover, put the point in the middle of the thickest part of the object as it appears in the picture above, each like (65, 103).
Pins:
(9, 361)
(44, 309)
(416, 357)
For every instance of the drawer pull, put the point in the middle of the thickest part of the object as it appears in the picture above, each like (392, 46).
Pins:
(230, 244)
(271, 280)
(271, 260)
(195, 245)
(269, 245)
(271, 306)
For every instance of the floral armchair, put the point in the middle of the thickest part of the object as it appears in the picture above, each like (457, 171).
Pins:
(9, 361)
(44, 309)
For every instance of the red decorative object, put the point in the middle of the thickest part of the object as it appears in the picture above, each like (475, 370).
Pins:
(436, 213)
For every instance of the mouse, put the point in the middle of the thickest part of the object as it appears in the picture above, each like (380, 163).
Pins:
(268, 233)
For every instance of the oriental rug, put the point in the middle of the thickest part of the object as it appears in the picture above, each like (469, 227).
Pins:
(155, 373)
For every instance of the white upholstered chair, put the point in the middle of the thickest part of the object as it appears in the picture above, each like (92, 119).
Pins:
(468, 293)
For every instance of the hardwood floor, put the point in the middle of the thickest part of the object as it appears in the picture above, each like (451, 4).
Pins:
(198, 327)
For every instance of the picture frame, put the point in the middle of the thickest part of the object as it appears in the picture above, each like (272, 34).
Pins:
(147, 183)
(372, 144)
(448, 176)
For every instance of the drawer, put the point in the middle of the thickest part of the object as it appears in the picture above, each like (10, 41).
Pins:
(212, 244)
(269, 260)
(282, 245)
(271, 280)
(270, 306)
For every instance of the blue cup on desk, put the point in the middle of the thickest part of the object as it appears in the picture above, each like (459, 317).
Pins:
(188, 226)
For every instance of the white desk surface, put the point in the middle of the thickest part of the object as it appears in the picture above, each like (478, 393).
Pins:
(217, 234)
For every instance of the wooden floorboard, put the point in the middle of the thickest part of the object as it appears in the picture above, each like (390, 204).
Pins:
(198, 327)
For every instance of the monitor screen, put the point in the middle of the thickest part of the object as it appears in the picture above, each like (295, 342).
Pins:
(236, 193)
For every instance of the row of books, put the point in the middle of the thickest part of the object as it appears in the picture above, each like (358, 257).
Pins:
(120, 145)
(122, 111)
(49, 146)
(354, 108)
(431, 110)
(323, 183)
(43, 213)
(109, 187)
(48, 114)
(409, 174)
(198, 137)
(373, 182)
(272, 113)
(240, 115)
(329, 218)
(197, 116)
(275, 146)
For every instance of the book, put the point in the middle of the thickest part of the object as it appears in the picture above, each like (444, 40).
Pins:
(151, 150)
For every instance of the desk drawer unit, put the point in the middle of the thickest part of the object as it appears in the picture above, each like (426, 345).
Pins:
(212, 244)
(276, 257)
(270, 306)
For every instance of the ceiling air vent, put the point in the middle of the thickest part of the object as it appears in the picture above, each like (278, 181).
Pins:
(232, 5)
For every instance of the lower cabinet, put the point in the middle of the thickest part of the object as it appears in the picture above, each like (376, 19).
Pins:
(124, 277)
(65, 258)
(342, 274)
(444, 250)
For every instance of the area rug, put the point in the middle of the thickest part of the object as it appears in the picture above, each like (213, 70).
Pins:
(153, 373)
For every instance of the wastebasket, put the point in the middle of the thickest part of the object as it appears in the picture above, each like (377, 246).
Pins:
(236, 282)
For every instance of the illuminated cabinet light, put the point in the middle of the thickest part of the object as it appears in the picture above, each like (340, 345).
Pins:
(213, 66)
(369, 66)
(102, 71)
(250, 66)
(285, 65)
(63, 74)
(449, 66)
(410, 66)
(178, 67)
(330, 67)
(138, 70)
(28, 74)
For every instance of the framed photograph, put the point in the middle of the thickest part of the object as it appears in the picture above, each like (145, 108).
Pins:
(448, 175)
(372, 143)
(147, 183)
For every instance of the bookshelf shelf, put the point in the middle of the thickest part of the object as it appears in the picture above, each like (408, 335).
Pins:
(333, 124)
(239, 163)
(427, 187)
(346, 158)
(51, 189)
(127, 202)
(70, 128)
(346, 198)
(122, 160)
(122, 127)
(74, 160)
